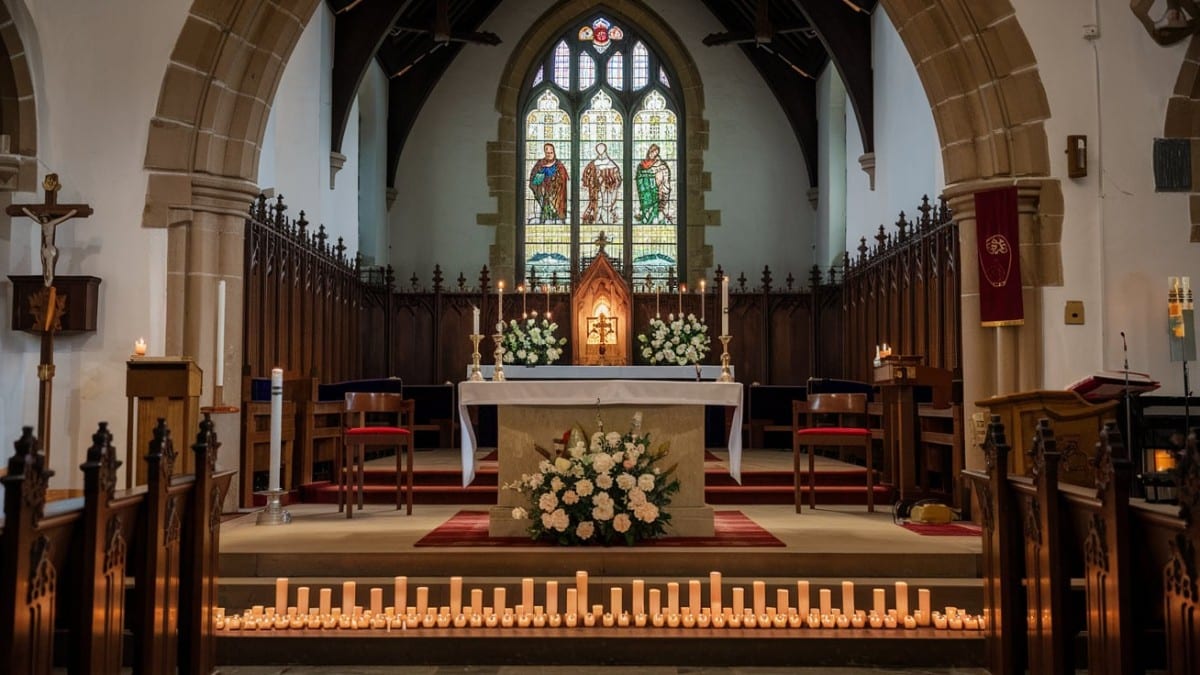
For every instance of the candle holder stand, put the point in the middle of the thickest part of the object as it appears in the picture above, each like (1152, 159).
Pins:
(476, 373)
(498, 373)
(725, 376)
(274, 513)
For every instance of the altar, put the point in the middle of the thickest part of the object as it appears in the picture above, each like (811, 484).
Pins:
(538, 411)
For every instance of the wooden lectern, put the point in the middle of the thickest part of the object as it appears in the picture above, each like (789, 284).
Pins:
(1076, 423)
(897, 377)
(167, 387)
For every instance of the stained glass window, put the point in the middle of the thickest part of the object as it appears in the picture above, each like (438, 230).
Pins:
(600, 156)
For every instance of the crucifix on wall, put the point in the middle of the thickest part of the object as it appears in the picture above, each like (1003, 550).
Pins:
(47, 303)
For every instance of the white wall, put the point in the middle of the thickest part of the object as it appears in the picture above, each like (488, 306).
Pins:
(372, 164)
(907, 151)
(830, 225)
(758, 173)
(93, 109)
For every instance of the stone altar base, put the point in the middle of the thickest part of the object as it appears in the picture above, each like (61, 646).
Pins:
(521, 427)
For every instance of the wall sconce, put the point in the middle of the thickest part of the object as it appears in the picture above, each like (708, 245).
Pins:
(1076, 156)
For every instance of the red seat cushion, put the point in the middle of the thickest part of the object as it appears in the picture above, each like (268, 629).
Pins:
(362, 431)
(833, 431)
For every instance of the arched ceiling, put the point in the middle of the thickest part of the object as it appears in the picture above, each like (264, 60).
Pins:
(789, 42)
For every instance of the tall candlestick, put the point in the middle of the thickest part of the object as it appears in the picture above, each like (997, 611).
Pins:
(760, 598)
(281, 595)
(500, 306)
(326, 602)
(276, 426)
(673, 597)
(581, 587)
(639, 590)
(220, 381)
(552, 597)
(348, 598)
(901, 599)
(401, 594)
(302, 600)
(703, 301)
(739, 601)
(455, 596)
(475, 321)
(724, 305)
(655, 601)
(694, 596)
(714, 591)
(682, 290)
(848, 598)
(377, 601)
(802, 598)
(527, 595)
(614, 603)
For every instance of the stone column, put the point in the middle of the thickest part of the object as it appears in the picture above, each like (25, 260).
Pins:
(1008, 359)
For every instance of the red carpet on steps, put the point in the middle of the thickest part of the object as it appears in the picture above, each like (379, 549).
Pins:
(943, 530)
(470, 528)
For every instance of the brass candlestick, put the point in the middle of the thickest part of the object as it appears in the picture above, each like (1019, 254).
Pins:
(726, 376)
(498, 373)
(476, 374)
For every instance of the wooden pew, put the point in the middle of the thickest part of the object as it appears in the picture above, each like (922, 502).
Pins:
(1134, 561)
(77, 556)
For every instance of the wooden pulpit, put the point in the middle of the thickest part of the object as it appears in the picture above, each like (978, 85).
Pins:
(167, 387)
(897, 377)
(1076, 422)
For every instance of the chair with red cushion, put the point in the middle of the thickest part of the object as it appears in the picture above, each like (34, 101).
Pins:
(359, 433)
(818, 409)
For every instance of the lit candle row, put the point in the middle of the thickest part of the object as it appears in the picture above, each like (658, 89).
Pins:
(578, 611)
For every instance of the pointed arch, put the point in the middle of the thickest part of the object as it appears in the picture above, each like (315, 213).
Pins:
(18, 110)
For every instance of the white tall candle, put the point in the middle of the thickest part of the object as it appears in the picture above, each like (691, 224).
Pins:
(694, 596)
(739, 601)
(377, 601)
(401, 594)
(901, 599)
(655, 601)
(220, 381)
(714, 590)
(499, 600)
(657, 306)
(326, 602)
(848, 598)
(614, 603)
(477, 601)
(703, 301)
(281, 595)
(500, 304)
(673, 597)
(581, 587)
(639, 591)
(880, 605)
(802, 598)
(760, 598)
(456, 593)
(781, 601)
(302, 600)
(527, 595)
(422, 600)
(725, 306)
(475, 321)
(826, 601)
(552, 597)
(923, 606)
(682, 290)
(572, 601)
(348, 598)
(276, 425)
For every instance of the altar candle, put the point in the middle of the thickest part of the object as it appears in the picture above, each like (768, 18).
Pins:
(527, 594)
(581, 588)
(714, 591)
(694, 596)
(281, 594)
(220, 381)
(725, 306)
(880, 607)
(326, 601)
(902, 599)
(276, 425)
(739, 601)
(500, 307)
(682, 290)
(455, 596)
(848, 598)
(477, 601)
(639, 591)
(572, 601)
(702, 301)
(673, 597)
(826, 601)
(348, 598)
(802, 598)
(614, 603)
(401, 595)
(422, 600)
(302, 600)
(499, 601)
(923, 606)
(657, 291)
(377, 601)
(760, 598)
(475, 320)
(655, 601)
(552, 597)
(546, 288)
(781, 601)
(524, 309)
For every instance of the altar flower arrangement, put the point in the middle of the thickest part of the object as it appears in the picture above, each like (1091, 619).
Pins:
(530, 341)
(606, 489)
(676, 341)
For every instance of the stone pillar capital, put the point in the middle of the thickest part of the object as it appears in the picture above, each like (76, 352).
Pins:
(961, 196)
(222, 196)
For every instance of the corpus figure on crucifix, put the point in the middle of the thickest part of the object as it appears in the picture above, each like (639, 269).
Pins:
(49, 215)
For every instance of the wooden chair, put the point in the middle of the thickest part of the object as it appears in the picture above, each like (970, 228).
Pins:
(358, 435)
(812, 436)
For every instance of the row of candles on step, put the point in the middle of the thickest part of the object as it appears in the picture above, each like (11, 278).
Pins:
(578, 612)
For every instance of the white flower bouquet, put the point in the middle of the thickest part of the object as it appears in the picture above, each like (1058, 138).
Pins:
(530, 341)
(676, 341)
(604, 491)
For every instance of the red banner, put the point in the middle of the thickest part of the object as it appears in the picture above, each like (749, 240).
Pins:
(1000, 301)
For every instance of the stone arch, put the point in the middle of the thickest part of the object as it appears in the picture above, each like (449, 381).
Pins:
(18, 111)
(981, 79)
(1183, 121)
(202, 157)
(501, 153)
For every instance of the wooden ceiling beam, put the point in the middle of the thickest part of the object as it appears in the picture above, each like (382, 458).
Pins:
(846, 35)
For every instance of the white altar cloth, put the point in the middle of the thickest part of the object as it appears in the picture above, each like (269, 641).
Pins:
(567, 372)
(604, 392)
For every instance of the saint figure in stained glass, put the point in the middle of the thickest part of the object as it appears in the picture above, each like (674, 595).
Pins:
(548, 182)
(654, 187)
(602, 180)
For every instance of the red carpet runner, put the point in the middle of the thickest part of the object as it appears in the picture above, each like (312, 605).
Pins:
(943, 530)
(470, 528)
